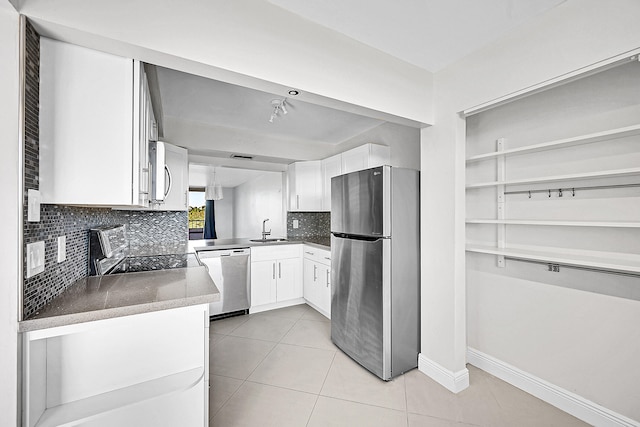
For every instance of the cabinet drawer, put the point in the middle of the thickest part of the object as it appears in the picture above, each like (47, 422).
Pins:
(318, 255)
(266, 253)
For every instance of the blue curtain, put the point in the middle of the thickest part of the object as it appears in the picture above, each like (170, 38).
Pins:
(209, 221)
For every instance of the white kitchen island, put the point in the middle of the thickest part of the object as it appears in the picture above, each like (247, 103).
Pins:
(128, 349)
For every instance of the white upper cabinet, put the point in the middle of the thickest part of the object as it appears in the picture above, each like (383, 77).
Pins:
(331, 166)
(93, 127)
(305, 186)
(364, 157)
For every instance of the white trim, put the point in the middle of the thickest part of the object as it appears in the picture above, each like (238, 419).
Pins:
(318, 309)
(565, 400)
(452, 381)
(275, 305)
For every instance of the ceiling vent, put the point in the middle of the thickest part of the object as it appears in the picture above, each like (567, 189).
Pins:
(241, 157)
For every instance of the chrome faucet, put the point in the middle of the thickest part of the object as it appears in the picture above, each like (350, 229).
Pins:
(265, 233)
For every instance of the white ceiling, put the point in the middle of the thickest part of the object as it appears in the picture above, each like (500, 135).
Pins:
(218, 104)
(428, 33)
(201, 175)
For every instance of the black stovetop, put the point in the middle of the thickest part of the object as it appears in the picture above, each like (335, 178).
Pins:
(132, 264)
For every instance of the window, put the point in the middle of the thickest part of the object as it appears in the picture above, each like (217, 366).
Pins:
(196, 213)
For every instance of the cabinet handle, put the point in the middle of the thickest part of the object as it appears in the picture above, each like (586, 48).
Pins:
(327, 278)
(329, 258)
(297, 201)
(310, 253)
(279, 271)
(274, 271)
(315, 270)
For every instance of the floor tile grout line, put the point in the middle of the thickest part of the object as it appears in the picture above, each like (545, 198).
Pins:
(333, 359)
(280, 387)
(406, 399)
(365, 404)
(312, 409)
(226, 401)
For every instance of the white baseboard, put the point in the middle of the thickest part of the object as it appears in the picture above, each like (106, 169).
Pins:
(318, 309)
(452, 381)
(565, 400)
(275, 305)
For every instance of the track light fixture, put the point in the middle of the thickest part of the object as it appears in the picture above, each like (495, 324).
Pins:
(279, 106)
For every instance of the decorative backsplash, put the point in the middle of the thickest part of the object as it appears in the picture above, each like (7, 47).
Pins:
(148, 232)
(309, 224)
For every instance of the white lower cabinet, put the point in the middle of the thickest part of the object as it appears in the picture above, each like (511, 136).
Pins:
(317, 279)
(149, 369)
(276, 276)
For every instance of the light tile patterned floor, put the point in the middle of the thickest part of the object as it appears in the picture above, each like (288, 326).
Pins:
(280, 368)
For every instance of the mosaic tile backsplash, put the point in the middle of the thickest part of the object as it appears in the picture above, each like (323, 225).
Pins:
(148, 232)
(309, 224)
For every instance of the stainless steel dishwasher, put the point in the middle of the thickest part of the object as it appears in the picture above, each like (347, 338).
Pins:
(229, 269)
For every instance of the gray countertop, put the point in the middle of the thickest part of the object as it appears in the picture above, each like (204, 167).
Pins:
(323, 242)
(103, 297)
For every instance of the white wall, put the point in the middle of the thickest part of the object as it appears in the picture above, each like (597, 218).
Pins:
(9, 216)
(403, 143)
(571, 36)
(225, 214)
(257, 200)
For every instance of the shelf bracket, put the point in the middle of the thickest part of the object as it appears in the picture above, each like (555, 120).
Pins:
(501, 175)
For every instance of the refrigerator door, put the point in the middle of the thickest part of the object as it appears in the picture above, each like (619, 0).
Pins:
(360, 203)
(360, 302)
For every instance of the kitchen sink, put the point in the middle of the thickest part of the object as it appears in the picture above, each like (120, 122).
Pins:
(267, 240)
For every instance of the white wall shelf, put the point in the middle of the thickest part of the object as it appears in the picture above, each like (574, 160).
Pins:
(83, 410)
(567, 142)
(613, 224)
(560, 178)
(570, 259)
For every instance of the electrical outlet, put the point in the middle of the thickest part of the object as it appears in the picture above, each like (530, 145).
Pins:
(555, 268)
(62, 248)
(33, 205)
(296, 224)
(35, 259)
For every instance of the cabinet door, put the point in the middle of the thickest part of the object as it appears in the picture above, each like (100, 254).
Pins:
(142, 128)
(331, 166)
(86, 126)
(324, 288)
(263, 282)
(355, 159)
(176, 179)
(310, 279)
(364, 157)
(305, 186)
(289, 279)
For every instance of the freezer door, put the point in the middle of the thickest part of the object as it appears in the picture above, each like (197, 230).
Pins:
(360, 202)
(360, 302)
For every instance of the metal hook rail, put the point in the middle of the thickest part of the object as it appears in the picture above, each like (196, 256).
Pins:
(572, 190)
(575, 267)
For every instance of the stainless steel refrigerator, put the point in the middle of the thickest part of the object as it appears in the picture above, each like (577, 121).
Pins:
(375, 253)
